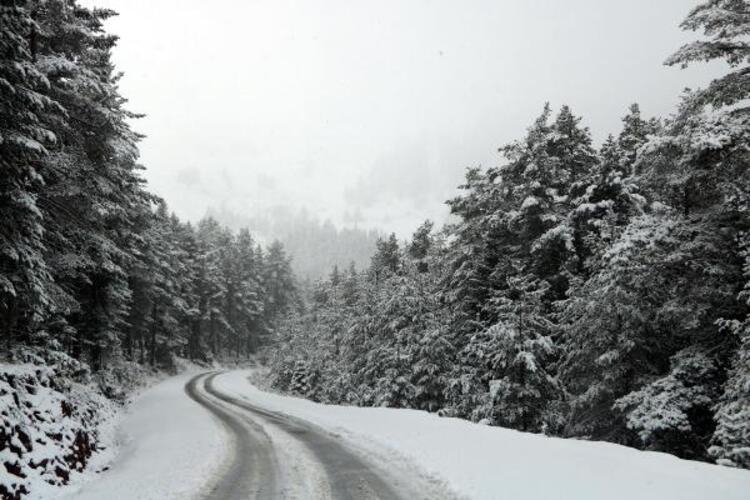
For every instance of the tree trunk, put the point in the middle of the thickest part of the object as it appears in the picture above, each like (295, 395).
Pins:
(194, 342)
(212, 333)
(9, 324)
(154, 314)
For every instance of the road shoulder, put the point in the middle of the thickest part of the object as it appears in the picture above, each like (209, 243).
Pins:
(170, 448)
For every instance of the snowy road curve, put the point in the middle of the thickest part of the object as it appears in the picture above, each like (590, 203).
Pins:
(252, 473)
(277, 456)
(238, 441)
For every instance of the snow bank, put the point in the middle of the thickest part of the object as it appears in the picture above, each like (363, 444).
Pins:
(483, 462)
(170, 448)
(53, 428)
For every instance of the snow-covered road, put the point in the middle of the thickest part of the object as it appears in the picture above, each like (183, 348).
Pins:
(253, 466)
(241, 442)
(277, 456)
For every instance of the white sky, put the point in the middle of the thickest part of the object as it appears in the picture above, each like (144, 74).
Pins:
(372, 110)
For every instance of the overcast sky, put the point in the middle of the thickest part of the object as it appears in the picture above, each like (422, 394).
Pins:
(369, 112)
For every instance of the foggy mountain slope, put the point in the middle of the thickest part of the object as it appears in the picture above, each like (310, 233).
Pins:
(315, 246)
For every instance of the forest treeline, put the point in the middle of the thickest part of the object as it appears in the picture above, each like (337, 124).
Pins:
(91, 263)
(598, 293)
(314, 246)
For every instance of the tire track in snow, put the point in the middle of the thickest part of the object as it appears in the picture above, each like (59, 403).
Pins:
(253, 470)
(349, 475)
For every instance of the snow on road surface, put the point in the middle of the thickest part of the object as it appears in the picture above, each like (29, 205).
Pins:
(170, 448)
(300, 460)
(493, 463)
(182, 440)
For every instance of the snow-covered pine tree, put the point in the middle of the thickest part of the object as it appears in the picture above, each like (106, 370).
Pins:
(514, 224)
(512, 360)
(189, 286)
(644, 324)
(25, 108)
(94, 191)
(475, 251)
(211, 284)
(712, 126)
(278, 280)
(634, 134)
(542, 176)
(247, 317)
(731, 440)
(712, 131)
(433, 351)
(674, 412)
(607, 201)
(154, 280)
(730, 444)
(350, 286)
(419, 246)
(659, 289)
(387, 258)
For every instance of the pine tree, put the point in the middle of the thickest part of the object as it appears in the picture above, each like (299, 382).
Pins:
(419, 247)
(515, 225)
(607, 203)
(211, 285)
(712, 125)
(512, 357)
(247, 317)
(732, 437)
(278, 282)
(660, 289)
(156, 303)
(476, 250)
(710, 133)
(350, 286)
(335, 277)
(387, 258)
(635, 133)
(25, 106)
(94, 191)
(674, 412)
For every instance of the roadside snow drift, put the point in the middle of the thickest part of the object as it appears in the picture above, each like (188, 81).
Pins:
(481, 462)
(171, 448)
(50, 427)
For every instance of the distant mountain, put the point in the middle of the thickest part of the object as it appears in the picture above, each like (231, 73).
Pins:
(315, 246)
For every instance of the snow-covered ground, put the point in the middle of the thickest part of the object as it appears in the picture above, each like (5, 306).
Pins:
(49, 426)
(172, 448)
(169, 448)
(482, 462)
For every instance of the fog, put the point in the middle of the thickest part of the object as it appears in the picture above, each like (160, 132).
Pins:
(367, 113)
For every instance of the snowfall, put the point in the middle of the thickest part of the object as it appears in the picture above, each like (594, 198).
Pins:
(170, 447)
